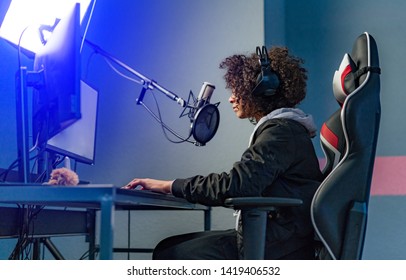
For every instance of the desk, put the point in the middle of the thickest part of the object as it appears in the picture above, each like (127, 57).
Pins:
(105, 198)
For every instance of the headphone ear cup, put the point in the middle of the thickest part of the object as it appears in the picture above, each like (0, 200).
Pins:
(267, 82)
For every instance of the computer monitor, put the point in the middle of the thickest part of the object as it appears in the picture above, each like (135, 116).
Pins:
(78, 140)
(56, 103)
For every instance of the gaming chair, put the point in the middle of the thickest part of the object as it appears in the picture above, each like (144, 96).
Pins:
(348, 139)
(340, 205)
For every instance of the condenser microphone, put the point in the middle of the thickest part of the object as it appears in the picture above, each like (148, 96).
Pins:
(206, 116)
(205, 94)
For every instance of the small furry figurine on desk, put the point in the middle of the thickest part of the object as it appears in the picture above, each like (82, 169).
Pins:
(63, 177)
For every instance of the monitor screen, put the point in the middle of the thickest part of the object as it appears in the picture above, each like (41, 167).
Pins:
(56, 104)
(78, 140)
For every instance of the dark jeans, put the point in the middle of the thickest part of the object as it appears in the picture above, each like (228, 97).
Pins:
(214, 245)
(205, 245)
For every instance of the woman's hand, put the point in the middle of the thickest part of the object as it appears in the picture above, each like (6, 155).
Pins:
(161, 186)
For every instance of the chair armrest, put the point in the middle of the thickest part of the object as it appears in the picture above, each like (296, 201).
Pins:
(254, 212)
(261, 202)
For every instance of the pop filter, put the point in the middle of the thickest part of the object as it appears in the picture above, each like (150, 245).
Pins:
(205, 123)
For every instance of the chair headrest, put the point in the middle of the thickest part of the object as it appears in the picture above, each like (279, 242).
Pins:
(344, 79)
(353, 68)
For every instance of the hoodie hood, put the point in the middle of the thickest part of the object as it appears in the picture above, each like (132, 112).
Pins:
(293, 114)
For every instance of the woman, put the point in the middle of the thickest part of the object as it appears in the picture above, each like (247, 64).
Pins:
(280, 161)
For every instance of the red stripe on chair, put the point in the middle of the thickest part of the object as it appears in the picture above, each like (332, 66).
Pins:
(329, 136)
(343, 75)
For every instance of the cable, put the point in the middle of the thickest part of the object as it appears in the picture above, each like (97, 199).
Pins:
(20, 250)
(23, 247)
(86, 71)
(87, 25)
(122, 74)
(41, 178)
(14, 164)
(165, 127)
(19, 46)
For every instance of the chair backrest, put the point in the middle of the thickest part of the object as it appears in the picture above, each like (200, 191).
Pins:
(340, 205)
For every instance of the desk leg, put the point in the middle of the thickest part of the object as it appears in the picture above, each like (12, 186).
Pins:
(106, 229)
(207, 219)
(91, 237)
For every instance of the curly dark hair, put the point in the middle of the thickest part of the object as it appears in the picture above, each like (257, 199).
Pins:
(241, 75)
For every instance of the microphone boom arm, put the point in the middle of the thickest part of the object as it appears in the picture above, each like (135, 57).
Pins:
(204, 117)
(146, 82)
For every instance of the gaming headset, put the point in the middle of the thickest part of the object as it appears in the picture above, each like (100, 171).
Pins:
(267, 80)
